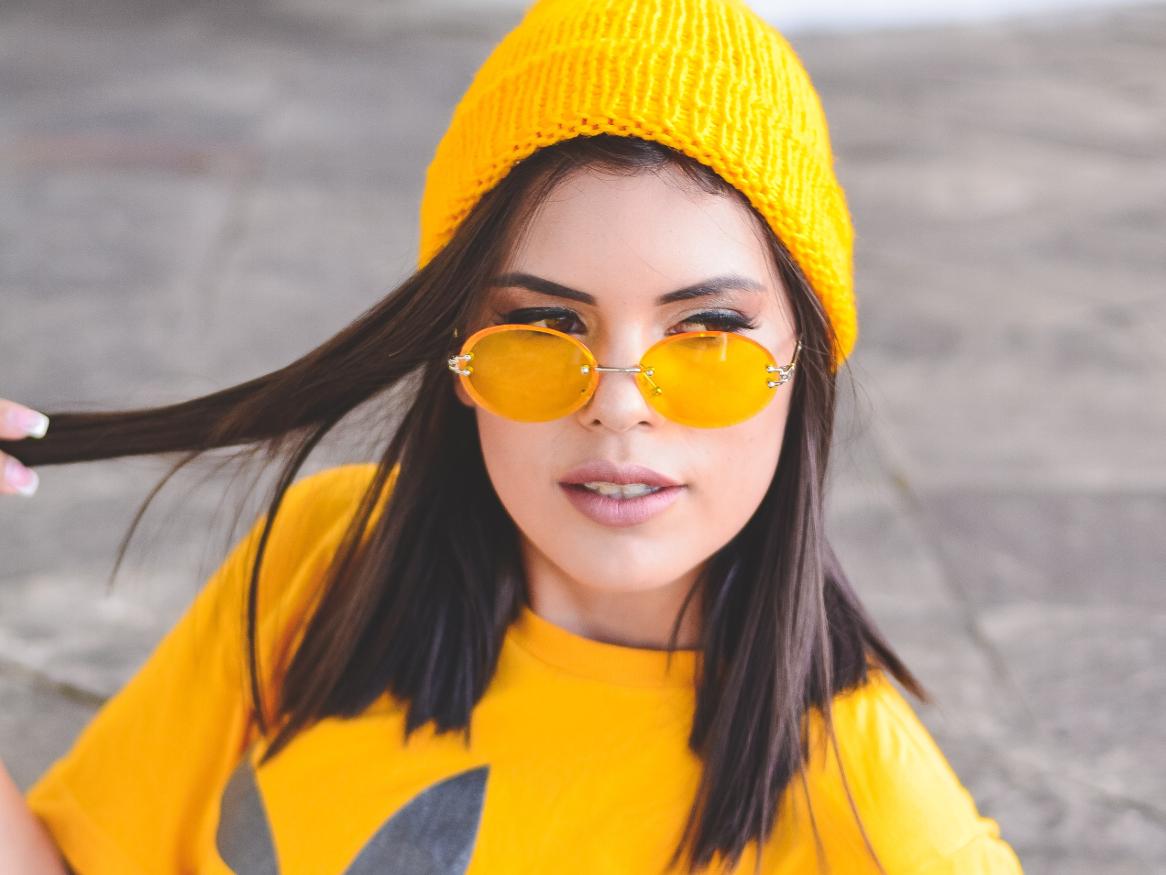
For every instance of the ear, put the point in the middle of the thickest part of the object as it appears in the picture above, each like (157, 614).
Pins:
(462, 395)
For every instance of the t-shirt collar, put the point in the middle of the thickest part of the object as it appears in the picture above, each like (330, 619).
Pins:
(600, 660)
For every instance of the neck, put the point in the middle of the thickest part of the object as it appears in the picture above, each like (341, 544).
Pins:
(633, 617)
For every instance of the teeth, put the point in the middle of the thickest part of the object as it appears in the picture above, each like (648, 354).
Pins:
(621, 490)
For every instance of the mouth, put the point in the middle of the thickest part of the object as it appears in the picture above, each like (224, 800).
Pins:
(622, 504)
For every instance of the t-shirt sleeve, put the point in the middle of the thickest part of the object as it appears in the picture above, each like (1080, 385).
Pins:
(137, 792)
(917, 813)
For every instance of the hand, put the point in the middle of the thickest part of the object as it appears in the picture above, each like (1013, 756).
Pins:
(17, 422)
(28, 845)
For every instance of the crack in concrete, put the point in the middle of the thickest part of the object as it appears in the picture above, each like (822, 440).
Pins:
(1013, 760)
(930, 537)
(44, 682)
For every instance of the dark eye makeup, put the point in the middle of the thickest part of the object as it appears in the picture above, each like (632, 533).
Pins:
(560, 318)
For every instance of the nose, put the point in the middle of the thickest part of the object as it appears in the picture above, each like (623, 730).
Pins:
(618, 403)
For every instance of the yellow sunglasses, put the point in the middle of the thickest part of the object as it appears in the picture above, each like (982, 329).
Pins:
(705, 379)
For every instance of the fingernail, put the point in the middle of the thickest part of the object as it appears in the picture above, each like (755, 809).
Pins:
(24, 479)
(33, 423)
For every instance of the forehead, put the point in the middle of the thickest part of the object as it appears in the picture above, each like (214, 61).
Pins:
(639, 236)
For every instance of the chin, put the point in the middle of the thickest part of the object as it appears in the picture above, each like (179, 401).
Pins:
(623, 577)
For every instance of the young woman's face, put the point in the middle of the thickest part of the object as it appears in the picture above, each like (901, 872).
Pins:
(623, 242)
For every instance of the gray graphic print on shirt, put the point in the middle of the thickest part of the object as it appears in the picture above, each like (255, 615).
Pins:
(432, 834)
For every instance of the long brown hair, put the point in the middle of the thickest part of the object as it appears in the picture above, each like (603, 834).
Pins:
(430, 588)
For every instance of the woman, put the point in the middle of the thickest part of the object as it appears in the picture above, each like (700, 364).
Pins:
(581, 615)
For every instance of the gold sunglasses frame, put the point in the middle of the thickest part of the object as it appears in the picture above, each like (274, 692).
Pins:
(593, 368)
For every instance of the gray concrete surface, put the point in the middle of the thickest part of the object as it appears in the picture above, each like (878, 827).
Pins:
(191, 195)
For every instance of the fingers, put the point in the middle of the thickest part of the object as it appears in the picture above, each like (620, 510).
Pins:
(17, 422)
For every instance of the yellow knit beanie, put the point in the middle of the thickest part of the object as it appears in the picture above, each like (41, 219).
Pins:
(709, 78)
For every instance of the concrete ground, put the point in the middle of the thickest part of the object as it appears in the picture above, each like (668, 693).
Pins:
(194, 194)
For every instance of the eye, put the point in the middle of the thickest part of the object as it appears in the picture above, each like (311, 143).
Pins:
(567, 321)
(559, 318)
(713, 320)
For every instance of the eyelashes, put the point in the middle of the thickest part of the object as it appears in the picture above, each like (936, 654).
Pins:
(712, 320)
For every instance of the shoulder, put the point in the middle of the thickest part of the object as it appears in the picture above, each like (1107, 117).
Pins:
(316, 509)
(915, 809)
(310, 522)
(887, 750)
(322, 498)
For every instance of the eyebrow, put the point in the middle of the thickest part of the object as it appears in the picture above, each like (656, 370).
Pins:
(710, 286)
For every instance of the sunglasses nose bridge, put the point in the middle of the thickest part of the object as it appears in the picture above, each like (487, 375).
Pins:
(645, 391)
(635, 369)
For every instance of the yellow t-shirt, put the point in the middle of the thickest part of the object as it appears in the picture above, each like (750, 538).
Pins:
(578, 763)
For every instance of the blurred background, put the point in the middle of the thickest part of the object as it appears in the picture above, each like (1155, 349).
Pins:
(192, 194)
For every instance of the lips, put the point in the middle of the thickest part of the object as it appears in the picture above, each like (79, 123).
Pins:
(621, 512)
(610, 472)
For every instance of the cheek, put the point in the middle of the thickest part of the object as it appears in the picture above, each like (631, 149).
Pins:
(738, 465)
(520, 460)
